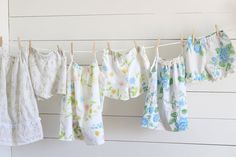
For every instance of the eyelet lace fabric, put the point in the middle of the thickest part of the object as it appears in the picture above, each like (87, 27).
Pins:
(19, 117)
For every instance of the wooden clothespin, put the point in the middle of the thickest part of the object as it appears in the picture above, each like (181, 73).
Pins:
(72, 48)
(136, 45)
(158, 43)
(1, 41)
(59, 50)
(109, 46)
(19, 42)
(217, 29)
(182, 42)
(193, 36)
(30, 45)
(94, 50)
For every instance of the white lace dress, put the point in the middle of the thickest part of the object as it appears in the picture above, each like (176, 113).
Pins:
(19, 117)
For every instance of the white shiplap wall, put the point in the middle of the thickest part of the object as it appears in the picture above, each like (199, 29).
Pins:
(4, 151)
(212, 106)
(4, 20)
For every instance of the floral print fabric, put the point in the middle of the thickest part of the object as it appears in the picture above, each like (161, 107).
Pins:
(81, 114)
(19, 117)
(48, 73)
(209, 58)
(165, 102)
(125, 73)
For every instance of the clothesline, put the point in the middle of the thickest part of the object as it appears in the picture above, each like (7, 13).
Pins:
(146, 47)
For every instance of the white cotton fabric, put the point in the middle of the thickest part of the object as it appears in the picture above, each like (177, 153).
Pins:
(125, 73)
(165, 103)
(211, 57)
(81, 113)
(19, 117)
(48, 73)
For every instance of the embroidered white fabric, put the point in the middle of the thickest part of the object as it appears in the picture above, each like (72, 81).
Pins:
(48, 73)
(19, 117)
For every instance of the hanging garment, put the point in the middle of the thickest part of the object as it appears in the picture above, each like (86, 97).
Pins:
(19, 117)
(165, 104)
(48, 73)
(125, 73)
(209, 58)
(82, 106)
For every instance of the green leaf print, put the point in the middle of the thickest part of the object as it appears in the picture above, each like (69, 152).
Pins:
(231, 49)
(172, 121)
(222, 64)
(171, 81)
(156, 109)
(62, 134)
(174, 114)
(184, 111)
(228, 66)
(134, 91)
(181, 79)
(77, 118)
(161, 90)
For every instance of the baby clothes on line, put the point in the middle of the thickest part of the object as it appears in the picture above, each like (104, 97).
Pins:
(19, 117)
(125, 73)
(209, 58)
(165, 102)
(48, 72)
(82, 106)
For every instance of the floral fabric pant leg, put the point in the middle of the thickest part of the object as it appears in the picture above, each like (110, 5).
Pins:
(82, 106)
(165, 104)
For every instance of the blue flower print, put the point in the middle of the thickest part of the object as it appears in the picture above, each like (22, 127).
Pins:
(189, 41)
(181, 102)
(145, 121)
(104, 68)
(214, 60)
(216, 73)
(197, 48)
(151, 109)
(165, 82)
(71, 87)
(76, 66)
(156, 118)
(132, 80)
(199, 78)
(164, 69)
(182, 124)
(224, 55)
(144, 86)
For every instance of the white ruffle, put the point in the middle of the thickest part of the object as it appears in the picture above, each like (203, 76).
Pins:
(20, 134)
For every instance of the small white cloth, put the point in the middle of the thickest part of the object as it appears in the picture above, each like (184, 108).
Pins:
(209, 58)
(48, 73)
(125, 73)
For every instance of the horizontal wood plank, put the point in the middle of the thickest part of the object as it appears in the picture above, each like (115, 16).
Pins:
(119, 27)
(207, 131)
(200, 105)
(116, 149)
(5, 151)
(80, 7)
